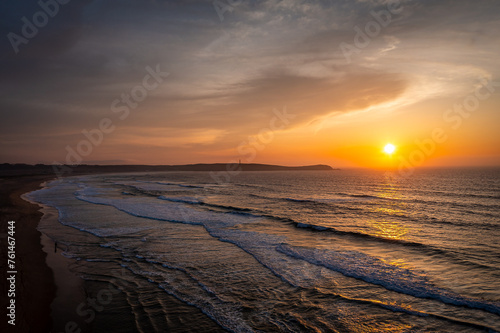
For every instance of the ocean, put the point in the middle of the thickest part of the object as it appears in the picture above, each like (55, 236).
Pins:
(297, 251)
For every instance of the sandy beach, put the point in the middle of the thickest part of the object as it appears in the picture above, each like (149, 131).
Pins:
(47, 292)
(35, 287)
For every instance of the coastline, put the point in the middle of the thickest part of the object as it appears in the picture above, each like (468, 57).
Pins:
(48, 292)
(35, 284)
(70, 291)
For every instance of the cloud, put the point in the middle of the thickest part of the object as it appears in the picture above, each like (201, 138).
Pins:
(227, 77)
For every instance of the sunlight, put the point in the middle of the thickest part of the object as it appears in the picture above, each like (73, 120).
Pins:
(389, 148)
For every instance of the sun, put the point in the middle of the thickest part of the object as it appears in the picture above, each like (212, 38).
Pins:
(389, 148)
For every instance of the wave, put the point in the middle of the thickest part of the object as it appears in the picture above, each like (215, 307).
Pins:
(167, 211)
(355, 234)
(419, 219)
(256, 214)
(251, 186)
(170, 184)
(482, 225)
(98, 260)
(196, 201)
(372, 270)
(419, 313)
(145, 208)
(188, 200)
(461, 194)
(453, 204)
(432, 202)
(188, 186)
(327, 200)
(228, 207)
(370, 200)
(363, 196)
(445, 297)
(223, 313)
(429, 249)
(315, 227)
(389, 306)
(156, 186)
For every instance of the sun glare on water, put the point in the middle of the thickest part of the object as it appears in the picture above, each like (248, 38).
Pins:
(389, 148)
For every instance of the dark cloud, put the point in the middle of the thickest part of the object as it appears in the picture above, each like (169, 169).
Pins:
(51, 37)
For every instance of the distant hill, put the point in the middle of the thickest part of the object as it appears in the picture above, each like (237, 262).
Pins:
(245, 167)
(7, 169)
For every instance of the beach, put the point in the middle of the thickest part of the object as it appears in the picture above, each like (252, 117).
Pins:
(35, 287)
(50, 296)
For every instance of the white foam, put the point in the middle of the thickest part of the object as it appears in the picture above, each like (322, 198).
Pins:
(165, 210)
(373, 270)
(190, 200)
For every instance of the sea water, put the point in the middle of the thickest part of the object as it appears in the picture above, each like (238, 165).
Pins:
(313, 251)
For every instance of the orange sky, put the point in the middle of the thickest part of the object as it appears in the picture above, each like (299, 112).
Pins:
(284, 82)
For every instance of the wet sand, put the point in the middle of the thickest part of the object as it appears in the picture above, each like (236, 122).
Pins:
(70, 292)
(35, 287)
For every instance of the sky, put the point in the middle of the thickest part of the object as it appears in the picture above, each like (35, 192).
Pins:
(290, 82)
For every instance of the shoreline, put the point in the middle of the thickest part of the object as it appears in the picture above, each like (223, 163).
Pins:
(48, 292)
(70, 291)
(35, 283)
